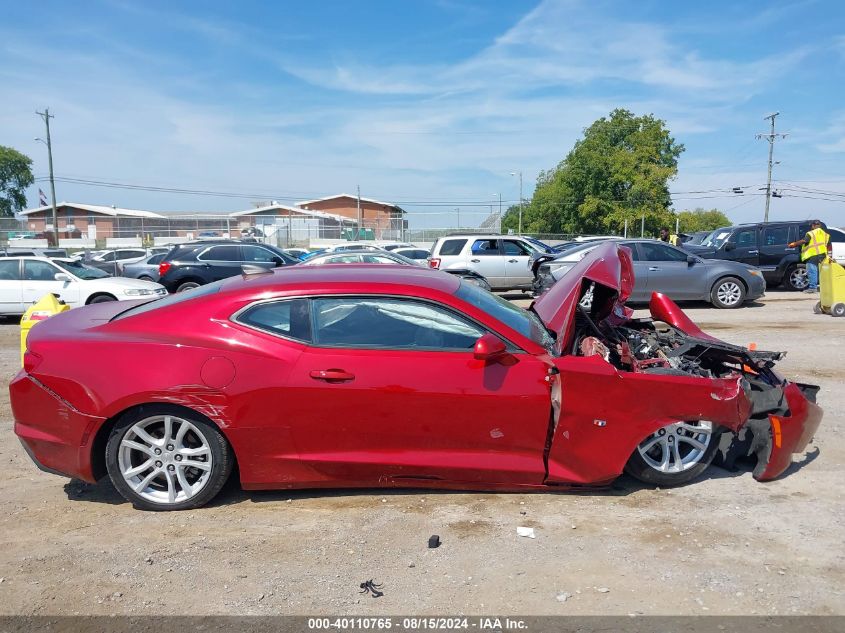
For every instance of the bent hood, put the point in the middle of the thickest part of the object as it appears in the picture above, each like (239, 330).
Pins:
(609, 264)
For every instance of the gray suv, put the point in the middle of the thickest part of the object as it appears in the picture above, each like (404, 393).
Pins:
(502, 259)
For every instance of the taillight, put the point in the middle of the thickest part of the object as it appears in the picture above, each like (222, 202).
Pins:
(163, 267)
(434, 262)
(31, 360)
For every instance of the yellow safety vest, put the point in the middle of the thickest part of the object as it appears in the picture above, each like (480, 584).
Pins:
(675, 240)
(817, 244)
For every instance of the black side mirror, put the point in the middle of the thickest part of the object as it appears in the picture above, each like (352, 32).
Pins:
(692, 259)
(729, 246)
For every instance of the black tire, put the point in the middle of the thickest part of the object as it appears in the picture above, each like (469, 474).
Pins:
(187, 285)
(817, 309)
(102, 299)
(221, 458)
(838, 309)
(639, 468)
(795, 277)
(146, 278)
(728, 293)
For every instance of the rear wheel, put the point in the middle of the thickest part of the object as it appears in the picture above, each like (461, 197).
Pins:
(162, 460)
(145, 278)
(728, 292)
(674, 454)
(796, 277)
(187, 285)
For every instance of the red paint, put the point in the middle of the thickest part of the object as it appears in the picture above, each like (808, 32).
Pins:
(662, 308)
(301, 416)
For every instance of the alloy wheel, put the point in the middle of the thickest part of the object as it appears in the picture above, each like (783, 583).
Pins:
(677, 447)
(798, 278)
(165, 459)
(729, 293)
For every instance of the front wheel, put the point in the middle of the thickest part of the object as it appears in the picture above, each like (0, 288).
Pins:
(728, 293)
(674, 454)
(102, 299)
(161, 460)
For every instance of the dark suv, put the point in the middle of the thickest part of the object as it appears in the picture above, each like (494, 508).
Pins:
(190, 265)
(763, 246)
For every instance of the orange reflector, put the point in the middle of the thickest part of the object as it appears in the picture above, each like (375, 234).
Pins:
(776, 430)
(752, 346)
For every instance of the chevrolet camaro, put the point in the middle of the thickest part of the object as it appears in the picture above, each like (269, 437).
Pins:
(375, 375)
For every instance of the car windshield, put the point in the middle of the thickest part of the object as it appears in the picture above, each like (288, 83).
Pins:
(526, 323)
(717, 238)
(80, 270)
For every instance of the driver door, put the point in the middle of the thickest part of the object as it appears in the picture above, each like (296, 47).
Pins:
(39, 279)
(669, 272)
(389, 391)
(517, 254)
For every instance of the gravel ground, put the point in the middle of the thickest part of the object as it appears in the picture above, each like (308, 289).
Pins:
(722, 545)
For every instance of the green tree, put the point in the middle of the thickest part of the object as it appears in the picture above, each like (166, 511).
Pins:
(15, 177)
(620, 170)
(510, 218)
(701, 220)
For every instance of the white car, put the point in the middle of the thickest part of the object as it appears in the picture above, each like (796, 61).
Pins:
(837, 244)
(25, 280)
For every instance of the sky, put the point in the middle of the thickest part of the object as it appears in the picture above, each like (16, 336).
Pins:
(435, 105)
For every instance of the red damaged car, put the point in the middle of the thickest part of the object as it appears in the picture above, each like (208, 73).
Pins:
(363, 376)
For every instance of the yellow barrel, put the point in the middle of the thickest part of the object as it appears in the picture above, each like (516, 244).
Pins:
(44, 308)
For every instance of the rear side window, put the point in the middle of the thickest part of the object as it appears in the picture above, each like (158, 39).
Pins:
(225, 253)
(156, 259)
(10, 270)
(258, 254)
(635, 253)
(775, 235)
(290, 318)
(452, 247)
(485, 247)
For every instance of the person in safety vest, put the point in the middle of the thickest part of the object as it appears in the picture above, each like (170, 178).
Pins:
(813, 252)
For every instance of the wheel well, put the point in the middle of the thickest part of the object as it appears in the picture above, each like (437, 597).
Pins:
(99, 294)
(98, 446)
(196, 280)
(723, 277)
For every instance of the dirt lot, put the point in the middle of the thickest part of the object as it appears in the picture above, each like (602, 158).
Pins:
(723, 545)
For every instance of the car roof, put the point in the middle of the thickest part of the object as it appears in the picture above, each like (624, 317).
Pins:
(346, 274)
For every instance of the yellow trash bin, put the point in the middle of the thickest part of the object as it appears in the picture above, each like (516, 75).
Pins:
(44, 308)
(831, 289)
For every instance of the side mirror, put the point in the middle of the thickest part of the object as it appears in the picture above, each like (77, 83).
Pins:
(277, 261)
(729, 246)
(491, 349)
(61, 277)
(692, 259)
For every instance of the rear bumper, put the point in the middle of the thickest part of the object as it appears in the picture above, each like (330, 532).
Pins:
(55, 435)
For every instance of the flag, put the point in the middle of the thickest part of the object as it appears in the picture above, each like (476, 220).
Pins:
(42, 199)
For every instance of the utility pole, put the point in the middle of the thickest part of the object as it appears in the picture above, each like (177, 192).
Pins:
(458, 211)
(771, 137)
(513, 173)
(47, 116)
(360, 219)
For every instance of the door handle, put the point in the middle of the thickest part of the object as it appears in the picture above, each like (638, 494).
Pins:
(654, 268)
(513, 261)
(475, 261)
(753, 252)
(332, 375)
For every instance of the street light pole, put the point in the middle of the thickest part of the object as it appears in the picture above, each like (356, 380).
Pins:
(513, 173)
(47, 116)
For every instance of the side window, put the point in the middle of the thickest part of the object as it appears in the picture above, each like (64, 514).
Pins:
(661, 253)
(452, 247)
(836, 236)
(10, 270)
(635, 253)
(512, 247)
(377, 259)
(417, 254)
(775, 235)
(156, 259)
(385, 323)
(341, 259)
(33, 270)
(257, 254)
(290, 318)
(745, 238)
(108, 257)
(227, 253)
(485, 247)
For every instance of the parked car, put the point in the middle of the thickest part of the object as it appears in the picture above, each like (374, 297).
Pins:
(502, 260)
(415, 253)
(33, 252)
(661, 267)
(310, 380)
(694, 239)
(762, 245)
(113, 261)
(298, 253)
(146, 269)
(387, 257)
(395, 245)
(837, 244)
(25, 280)
(195, 264)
